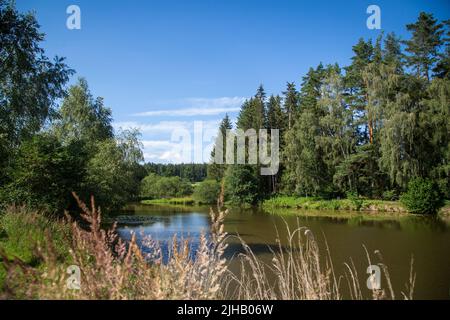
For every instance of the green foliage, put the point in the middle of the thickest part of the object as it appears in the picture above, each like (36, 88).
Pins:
(367, 128)
(241, 185)
(44, 173)
(216, 169)
(171, 201)
(376, 126)
(194, 172)
(334, 204)
(108, 177)
(82, 117)
(207, 192)
(30, 83)
(423, 197)
(21, 230)
(390, 195)
(424, 44)
(356, 200)
(291, 107)
(156, 187)
(79, 153)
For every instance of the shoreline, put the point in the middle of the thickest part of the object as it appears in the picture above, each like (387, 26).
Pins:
(375, 208)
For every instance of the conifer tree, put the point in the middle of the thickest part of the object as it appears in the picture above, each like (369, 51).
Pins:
(291, 102)
(217, 170)
(423, 47)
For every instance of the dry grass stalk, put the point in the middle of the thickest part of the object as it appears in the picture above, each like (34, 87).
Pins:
(112, 269)
(300, 274)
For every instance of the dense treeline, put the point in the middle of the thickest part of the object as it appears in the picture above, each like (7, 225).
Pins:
(366, 129)
(46, 150)
(194, 172)
(154, 186)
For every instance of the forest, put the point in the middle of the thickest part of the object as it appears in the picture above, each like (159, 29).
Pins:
(367, 129)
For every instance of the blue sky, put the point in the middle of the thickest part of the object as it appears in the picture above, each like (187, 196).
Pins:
(161, 65)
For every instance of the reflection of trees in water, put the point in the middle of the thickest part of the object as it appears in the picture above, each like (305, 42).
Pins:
(411, 223)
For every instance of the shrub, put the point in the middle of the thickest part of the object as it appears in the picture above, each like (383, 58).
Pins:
(155, 187)
(356, 200)
(390, 195)
(423, 197)
(241, 185)
(44, 174)
(207, 192)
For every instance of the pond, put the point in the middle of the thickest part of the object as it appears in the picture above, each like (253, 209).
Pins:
(398, 239)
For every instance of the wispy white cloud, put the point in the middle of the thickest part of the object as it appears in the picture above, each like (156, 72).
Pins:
(158, 144)
(165, 127)
(152, 128)
(164, 151)
(199, 107)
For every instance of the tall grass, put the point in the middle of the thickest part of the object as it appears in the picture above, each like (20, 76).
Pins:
(301, 271)
(113, 269)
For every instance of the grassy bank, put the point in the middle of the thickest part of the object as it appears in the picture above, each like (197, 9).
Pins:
(186, 201)
(24, 234)
(172, 201)
(378, 207)
(336, 204)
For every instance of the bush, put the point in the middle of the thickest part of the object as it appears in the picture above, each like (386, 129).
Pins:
(241, 185)
(44, 174)
(356, 200)
(390, 195)
(156, 187)
(207, 192)
(423, 197)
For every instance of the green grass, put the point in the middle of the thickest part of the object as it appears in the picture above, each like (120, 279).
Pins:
(21, 231)
(336, 204)
(176, 201)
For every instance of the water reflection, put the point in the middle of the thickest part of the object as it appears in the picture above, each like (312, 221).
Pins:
(425, 238)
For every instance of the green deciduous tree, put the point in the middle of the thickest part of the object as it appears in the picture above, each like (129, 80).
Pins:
(30, 83)
(207, 192)
(242, 185)
(44, 174)
(155, 187)
(82, 117)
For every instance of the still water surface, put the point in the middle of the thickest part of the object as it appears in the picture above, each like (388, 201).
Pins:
(398, 239)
